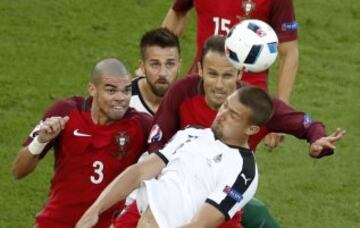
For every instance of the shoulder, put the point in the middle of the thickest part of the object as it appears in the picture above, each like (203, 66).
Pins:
(145, 119)
(191, 84)
(135, 85)
(182, 5)
(64, 106)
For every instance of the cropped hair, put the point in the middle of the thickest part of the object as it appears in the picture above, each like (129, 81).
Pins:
(259, 102)
(161, 37)
(215, 43)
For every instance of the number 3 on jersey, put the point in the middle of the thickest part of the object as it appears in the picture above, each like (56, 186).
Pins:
(222, 26)
(98, 176)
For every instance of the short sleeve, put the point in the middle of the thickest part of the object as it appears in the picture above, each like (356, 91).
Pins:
(169, 150)
(182, 5)
(237, 184)
(282, 19)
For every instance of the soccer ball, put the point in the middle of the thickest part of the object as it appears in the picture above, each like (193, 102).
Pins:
(251, 45)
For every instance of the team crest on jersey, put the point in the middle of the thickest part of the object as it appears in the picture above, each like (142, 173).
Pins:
(122, 139)
(35, 131)
(155, 134)
(307, 121)
(233, 194)
(248, 7)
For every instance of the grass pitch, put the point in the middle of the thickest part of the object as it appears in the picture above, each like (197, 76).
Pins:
(47, 49)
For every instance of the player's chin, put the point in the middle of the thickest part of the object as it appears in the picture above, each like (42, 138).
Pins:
(161, 89)
(116, 114)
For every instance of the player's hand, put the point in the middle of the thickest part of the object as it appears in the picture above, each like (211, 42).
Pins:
(88, 220)
(51, 128)
(326, 142)
(272, 140)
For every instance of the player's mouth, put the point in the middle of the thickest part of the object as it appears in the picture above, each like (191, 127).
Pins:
(162, 81)
(118, 107)
(219, 95)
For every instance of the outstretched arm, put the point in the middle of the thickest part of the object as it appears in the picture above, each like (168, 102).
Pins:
(122, 186)
(28, 156)
(318, 148)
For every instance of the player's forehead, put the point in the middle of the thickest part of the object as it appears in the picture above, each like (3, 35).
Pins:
(157, 53)
(118, 81)
(235, 105)
(217, 62)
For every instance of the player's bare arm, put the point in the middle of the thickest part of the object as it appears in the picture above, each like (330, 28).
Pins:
(28, 156)
(289, 63)
(207, 216)
(175, 21)
(326, 142)
(122, 186)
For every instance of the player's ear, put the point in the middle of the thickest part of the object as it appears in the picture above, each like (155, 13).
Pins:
(180, 63)
(252, 130)
(240, 73)
(199, 67)
(91, 89)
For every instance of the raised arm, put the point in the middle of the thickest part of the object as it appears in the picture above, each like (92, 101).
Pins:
(28, 156)
(121, 186)
(176, 18)
(289, 63)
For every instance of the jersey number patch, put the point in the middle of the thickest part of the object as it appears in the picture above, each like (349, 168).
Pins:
(222, 26)
(98, 176)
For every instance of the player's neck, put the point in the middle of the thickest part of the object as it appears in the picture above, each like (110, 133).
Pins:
(98, 118)
(151, 99)
(237, 142)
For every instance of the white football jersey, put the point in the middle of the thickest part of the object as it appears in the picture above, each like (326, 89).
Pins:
(200, 168)
(137, 102)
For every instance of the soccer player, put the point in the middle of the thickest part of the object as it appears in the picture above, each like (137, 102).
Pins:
(217, 17)
(202, 176)
(160, 62)
(195, 100)
(94, 139)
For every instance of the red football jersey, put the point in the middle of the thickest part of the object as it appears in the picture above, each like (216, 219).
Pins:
(217, 17)
(184, 104)
(87, 158)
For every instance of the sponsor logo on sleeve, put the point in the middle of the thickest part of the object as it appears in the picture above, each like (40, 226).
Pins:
(289, 26)
(155, 134)
(307, 121)
(233, 194)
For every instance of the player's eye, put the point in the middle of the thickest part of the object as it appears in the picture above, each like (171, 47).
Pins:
(155, 65)
(169, 65)
(110, 90)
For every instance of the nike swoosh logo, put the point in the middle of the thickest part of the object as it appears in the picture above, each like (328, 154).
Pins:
(77, 133)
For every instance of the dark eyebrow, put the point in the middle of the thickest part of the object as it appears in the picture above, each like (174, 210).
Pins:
(110, 85)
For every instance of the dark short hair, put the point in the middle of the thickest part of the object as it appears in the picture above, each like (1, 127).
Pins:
(215, 43)
(259, 102)
(161, 37)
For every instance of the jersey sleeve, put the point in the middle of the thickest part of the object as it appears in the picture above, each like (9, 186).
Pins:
(177, 141)
(299, 124)
(236, 186)
(60, 108)
(282, 19)
(182, 5)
